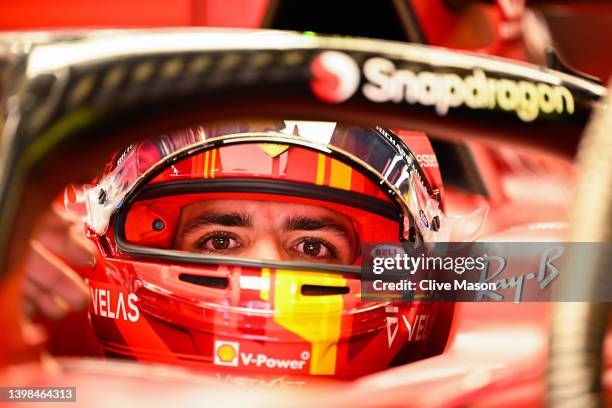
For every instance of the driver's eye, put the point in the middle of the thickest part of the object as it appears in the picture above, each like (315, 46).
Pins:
(217, 241)
(315, 248)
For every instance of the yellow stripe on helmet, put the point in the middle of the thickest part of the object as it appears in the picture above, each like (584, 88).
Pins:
(320, 169)
(340, 175)
(316, 319)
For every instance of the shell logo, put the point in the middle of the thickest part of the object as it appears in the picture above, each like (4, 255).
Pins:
(226, 353)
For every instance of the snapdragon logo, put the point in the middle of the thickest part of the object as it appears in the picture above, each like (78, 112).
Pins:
(476, 91)
(336, 79)
(335, 76)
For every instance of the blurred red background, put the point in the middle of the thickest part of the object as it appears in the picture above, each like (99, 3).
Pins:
(580, 29)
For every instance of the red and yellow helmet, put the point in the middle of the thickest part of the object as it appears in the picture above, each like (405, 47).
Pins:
(155, 299)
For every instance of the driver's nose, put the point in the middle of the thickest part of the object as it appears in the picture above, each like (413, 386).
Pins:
(267, 248)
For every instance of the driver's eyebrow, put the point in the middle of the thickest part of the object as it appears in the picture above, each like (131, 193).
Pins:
(232, 219)
(301, 223)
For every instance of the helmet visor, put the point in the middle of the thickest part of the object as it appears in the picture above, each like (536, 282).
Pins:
(375, 153)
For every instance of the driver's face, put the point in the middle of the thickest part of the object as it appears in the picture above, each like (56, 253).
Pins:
(267, 230)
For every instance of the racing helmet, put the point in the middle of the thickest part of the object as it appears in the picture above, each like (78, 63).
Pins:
(174, 282)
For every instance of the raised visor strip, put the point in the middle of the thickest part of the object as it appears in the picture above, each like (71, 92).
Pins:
(318, 290)
(208, 281)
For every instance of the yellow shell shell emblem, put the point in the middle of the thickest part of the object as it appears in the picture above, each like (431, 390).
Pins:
(226, 353)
